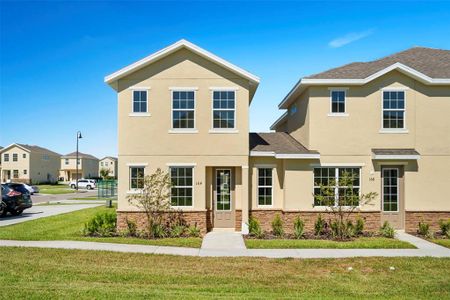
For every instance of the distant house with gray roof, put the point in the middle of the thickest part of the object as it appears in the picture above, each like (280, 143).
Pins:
(87, 166)
(29, 164)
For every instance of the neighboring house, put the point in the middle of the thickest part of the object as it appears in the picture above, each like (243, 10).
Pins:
(186, 111)
(29, 164)
(109, 163)
(87, 166)
(1, 161)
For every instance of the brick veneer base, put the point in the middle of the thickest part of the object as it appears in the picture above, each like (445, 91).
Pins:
(265, 217)
(200, 218)
(412, 219)
(238, 224)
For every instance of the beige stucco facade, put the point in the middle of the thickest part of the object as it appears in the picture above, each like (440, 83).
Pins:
(148, 140)
(110, 164)
(25, 164)
(87, 167)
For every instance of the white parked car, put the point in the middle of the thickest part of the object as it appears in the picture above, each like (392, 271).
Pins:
(83, 184)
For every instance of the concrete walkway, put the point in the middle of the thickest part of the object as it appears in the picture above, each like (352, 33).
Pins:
(217, 241)
(424, 249)
(42, 211)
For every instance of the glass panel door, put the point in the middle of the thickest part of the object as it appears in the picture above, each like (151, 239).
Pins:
(223, 189)
(390, 189)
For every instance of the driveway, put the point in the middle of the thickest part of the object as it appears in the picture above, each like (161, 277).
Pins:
(42, 211)
(40, 198)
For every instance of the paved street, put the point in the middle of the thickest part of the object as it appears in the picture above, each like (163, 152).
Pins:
(38, 198)
(43, 211)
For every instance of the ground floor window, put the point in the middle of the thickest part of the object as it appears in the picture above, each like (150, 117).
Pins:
(329, 184)
(136, 178)
(15, 173)
(390, 189)
(182, 186)
(24, 172)
(265, 186)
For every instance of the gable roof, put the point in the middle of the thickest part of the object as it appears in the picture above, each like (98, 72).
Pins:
(278, 145)
(110, 157)
(31, 148)
(427, 65)
(112, 78)
(80, 155)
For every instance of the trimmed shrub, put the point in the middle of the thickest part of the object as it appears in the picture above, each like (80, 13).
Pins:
(159, 231)
(387, 230)
(445, 227)
(102, 224)
(359, 226)
(254, 227)
(177, 231)
(319, 226)
(424, 229)
(131, 228)
(299, 228)
(277, 226)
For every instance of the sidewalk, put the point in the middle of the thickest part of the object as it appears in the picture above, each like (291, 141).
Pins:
(424, 249)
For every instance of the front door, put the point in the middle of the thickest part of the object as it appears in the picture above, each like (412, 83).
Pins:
(224, 203)
(392, 205)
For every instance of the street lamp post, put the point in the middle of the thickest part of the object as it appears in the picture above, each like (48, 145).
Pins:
(76, 163)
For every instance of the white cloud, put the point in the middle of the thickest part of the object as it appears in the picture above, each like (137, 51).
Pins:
(349, 38)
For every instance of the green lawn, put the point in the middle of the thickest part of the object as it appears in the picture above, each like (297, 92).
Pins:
(364, 242)
(55, 189)
(442, 242)
(93, 198)
(69, 227)
(75, 274)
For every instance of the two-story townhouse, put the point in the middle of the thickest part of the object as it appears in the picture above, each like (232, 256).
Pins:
(387, 121)
(87, 166)
(29, 164)
(185, 111)
(108, 163)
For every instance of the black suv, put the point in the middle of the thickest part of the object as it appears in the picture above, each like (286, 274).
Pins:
(13, 200)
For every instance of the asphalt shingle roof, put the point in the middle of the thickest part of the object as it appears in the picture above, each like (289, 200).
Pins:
(434, 63)
(278, 142)
(37, 149)
(80, 155)
(395, 152)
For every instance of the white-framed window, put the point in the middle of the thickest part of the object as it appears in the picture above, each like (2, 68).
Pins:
(15, 157)
(393, 110)
(106, 163)
(390, 189)
(66, 161)
(78, 161)
(183, 109)
(329, 177)
(45, 157)
(338, 101)
(25, 172)
(140, 101)
(265, 186)
(24, 155)
(182, 186)
(101, 164)
(224, 109)
(15, 173)
(6, 157)
(136, 177)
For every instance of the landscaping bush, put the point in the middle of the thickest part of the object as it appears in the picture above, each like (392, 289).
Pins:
(102, 224)
(445, 227)
(159, 231)
(424, 230)
(177, 231)
(359, 226)
(319, 226)
(387, 230)
(254, 227)
(193, 231)
(299, 228)
(131, 228)
(277, 226)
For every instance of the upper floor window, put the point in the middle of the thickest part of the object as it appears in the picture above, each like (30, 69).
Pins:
(66, 161)
(45, 157)
(182, 186)
(15, 157)
(24, 155)
(183, 109)
(393, 109)
(6, 157)
(78, 161)
(101, 164)
(106, 164)
(338, 102)
(265, 186)
(139, 101)
(224, 109)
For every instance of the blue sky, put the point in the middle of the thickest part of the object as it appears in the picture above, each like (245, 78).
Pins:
(54, 55)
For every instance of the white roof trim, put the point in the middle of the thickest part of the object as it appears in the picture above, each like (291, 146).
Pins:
(284, 156)
(172, 48)
(397, 66)
(395, 157)
(173, 164)
(14, 145)
(280, 120)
